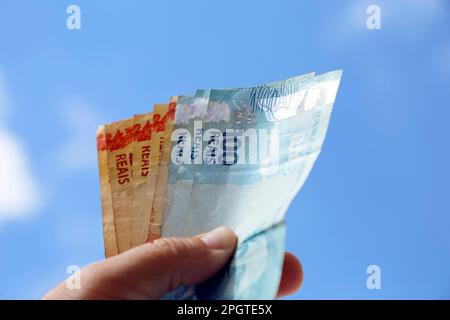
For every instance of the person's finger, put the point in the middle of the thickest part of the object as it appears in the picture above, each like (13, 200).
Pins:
(153, 269)
(292, 275)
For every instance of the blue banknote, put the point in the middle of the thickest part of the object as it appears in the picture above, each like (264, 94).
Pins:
(239, 158)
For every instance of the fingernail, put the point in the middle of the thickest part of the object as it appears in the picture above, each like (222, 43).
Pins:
(220, 238)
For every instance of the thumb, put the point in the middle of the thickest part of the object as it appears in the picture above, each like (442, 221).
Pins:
(153, 269)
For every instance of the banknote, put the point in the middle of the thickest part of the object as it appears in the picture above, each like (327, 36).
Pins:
(163, 126)
(218, 111)
(258, 150)
(119, 143)
(109, 231)
(144, 169)
(180, 176)
(192, 116)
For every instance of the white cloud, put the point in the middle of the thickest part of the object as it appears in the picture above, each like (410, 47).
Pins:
(18, 189)
(18, 192)
(79, 150)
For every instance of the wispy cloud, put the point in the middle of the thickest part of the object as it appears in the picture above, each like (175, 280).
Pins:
(18, 188)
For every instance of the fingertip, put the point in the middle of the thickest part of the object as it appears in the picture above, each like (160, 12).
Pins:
(292, 275)
(221, 238)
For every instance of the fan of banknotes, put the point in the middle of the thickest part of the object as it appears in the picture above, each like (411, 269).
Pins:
(234, 157)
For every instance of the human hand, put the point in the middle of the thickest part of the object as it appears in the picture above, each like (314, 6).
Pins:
(153, 269)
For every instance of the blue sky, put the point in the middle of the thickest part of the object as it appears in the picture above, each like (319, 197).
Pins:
(378, 193)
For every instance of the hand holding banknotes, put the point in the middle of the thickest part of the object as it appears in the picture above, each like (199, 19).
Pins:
(217, 157)
(153, 269)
